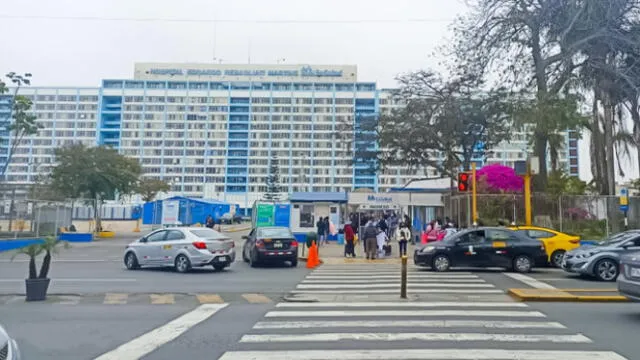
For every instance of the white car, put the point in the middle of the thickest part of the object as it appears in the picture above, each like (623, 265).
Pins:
(8, 347)
(181, 248)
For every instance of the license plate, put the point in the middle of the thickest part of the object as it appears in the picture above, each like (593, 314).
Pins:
(277, 245)
(222, 259)
(635, 272)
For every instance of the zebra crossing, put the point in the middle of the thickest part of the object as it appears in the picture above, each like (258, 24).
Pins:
(370, 322)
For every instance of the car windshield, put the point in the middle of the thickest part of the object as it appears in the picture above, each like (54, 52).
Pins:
(274, 233)
(207, 234)
(616, 239)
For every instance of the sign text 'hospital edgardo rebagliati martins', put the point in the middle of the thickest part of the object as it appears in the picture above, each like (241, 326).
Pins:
(229, 72)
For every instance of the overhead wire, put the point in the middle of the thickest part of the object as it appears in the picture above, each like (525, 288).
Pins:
(229, 21)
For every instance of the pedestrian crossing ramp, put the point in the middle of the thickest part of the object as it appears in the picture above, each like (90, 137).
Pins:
(362, 318)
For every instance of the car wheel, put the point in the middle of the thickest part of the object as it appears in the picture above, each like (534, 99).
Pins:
(219, 267)
(182, 264)
(557, 257)
(131, 261)
(294, 262)
(522, 264)
(253, 259)
(606, 270)
(441, 263)
(244, 256)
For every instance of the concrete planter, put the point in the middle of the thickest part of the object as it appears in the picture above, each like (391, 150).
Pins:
(37, 289)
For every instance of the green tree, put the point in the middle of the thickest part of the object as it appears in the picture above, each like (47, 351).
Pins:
(443, 124)
(149, 188)
(22, 122)
(273, 181)
(543, 40)
(97, 173)
(559, 183)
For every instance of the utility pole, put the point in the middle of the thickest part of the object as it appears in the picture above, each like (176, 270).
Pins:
(474, 195)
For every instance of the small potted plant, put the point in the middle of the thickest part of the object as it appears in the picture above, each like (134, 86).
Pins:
(38, 284)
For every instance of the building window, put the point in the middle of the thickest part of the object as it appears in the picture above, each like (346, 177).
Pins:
(306, 216)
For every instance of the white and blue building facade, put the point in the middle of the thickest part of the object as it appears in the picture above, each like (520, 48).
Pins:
(212, 129)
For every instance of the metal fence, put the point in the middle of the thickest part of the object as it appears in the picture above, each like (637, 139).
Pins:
(591, 216)
(33, 219)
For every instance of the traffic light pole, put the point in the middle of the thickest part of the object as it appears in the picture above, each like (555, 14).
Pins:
(474, 202)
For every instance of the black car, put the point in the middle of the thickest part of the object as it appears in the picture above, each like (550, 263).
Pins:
(483, 247)
(270, 244)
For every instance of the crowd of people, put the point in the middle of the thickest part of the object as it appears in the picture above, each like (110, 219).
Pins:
(377, 233)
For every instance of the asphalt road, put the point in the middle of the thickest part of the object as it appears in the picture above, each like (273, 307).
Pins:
(463, 314)
(97, 268)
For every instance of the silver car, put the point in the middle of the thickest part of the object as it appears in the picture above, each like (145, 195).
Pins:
(602, 260)
(629, 279)
(8, 347)
(182, 248)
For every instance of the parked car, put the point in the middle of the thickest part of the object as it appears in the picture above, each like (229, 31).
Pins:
(8, 347)
(182, 248)
(231, 219)
(602, 260)
(629, 278)
(269, 244)
(555, 242)
(483, 247)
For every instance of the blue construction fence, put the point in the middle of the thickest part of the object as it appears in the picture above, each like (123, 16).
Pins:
(191, 210)
(12, 244)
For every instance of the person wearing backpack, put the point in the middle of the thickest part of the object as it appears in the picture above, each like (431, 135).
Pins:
(404, 234)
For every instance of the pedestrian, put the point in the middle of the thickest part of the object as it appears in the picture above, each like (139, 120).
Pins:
(320, 229)
(370, 240)
(393, 226)
(209, 222)
(404, 234)
(349, 241)
(327, 229)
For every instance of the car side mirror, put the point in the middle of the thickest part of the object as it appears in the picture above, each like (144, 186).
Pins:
(143, 240)
(245, 237)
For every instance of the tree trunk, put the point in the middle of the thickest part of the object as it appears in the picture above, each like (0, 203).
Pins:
(46, 264)
(597, 148)
(610, 169)
(635, 116)
(540, 150)
(32, 268)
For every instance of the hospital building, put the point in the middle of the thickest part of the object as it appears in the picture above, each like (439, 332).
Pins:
(211, 129)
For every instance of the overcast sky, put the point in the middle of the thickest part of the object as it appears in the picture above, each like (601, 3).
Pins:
(383, 38)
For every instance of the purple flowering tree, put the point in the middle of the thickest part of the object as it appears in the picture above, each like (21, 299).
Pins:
(499, 178)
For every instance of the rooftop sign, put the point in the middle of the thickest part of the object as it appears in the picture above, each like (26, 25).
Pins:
(219, 72)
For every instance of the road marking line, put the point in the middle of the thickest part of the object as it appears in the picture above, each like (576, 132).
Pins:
(74, 280)
(395, 279)
(354, 313)
(256, 298)
(392, 276)
(422, 354)
(372, 273)
(328, 337)
(162, 299)
(69, 300)
(209, 299)
(530, 281)
(409, 324)
(115, 298)
(396, 285)
(464, 304)
(146, 343)
(394, 291)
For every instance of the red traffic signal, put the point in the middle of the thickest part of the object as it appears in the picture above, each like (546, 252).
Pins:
(463, 182)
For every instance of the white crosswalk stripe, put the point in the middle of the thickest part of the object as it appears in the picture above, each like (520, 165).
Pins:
(366, 320)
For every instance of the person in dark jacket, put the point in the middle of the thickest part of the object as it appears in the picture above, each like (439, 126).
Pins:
(321, 230)
(370, 240)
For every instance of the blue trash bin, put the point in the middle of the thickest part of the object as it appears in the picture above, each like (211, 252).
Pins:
(340, 239)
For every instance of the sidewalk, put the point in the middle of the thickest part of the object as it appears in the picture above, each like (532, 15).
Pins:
(333, 253)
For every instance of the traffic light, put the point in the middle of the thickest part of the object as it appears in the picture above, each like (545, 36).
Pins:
(464, 180)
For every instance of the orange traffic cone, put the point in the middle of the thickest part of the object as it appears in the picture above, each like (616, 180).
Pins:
(313, 256)
(317, 255)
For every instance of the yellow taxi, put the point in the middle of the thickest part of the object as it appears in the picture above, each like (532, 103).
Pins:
(555, 242)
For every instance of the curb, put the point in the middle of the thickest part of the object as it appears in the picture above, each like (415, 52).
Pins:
(560, 295)
(237, 230)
